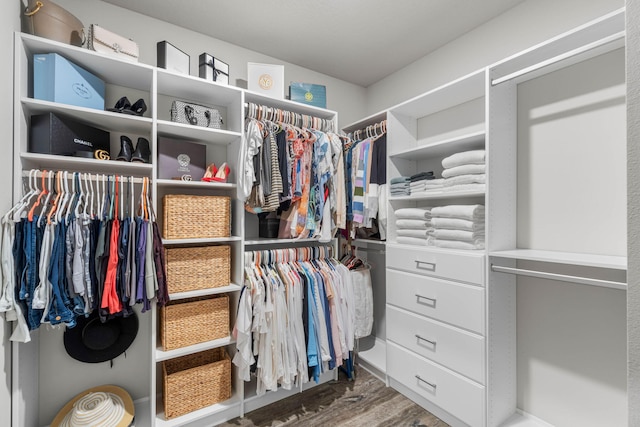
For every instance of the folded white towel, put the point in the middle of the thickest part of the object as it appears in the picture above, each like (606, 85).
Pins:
(454, 244)
(413, 224)
(473, 157)
(421, 234)
(461, 235)
(470, 212)
(413, 213)
(464, 170)
(464, 187)
(478, 178)
(415, 241)
(457, 224)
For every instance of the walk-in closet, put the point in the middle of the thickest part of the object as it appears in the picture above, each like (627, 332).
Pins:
(317, 214)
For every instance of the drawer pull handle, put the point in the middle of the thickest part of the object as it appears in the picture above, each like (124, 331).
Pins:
(419, 297)
(425, 381)
(433, 343)
(431, 266)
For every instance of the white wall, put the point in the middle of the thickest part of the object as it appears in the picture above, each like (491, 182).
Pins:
(9, 21)
(347, 98)
(519, 28)
(633, 224)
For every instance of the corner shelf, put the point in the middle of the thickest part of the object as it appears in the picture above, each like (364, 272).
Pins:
(444, 147)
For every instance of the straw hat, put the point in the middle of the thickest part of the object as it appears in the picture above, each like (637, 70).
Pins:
(102, 406)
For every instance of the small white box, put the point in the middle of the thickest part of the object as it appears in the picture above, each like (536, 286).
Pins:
(266, 79)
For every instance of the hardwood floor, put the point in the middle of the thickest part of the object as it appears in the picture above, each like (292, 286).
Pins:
(366, 401)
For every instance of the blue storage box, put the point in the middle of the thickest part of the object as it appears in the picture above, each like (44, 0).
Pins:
(308, 93)
(57, 79)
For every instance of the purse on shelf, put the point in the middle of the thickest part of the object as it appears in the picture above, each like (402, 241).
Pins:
(104, 41)
(194, 114)
(44, 18)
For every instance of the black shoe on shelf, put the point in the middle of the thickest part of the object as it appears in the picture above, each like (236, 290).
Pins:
(122, 104)
(143, 151)
(138, 108)
(126, 149)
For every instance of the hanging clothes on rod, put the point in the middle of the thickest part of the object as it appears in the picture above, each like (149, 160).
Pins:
(75, 243)
(366, 170)
(292, 166)
(295, 317)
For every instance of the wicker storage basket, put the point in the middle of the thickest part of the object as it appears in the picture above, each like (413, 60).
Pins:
(192, 217)
(194, 320)
(194, 381)
(190, 269)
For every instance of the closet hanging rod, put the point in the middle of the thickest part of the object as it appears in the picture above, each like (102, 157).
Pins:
(254, 111)
(369, 250)
(560, 277)
(370, 129)
(92, 176)
(617, 37)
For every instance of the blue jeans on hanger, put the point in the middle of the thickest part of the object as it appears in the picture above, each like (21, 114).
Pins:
(59, 309)
(19, 263)
(32, 243)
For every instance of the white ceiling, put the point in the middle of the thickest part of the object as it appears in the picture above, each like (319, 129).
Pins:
(359, 41)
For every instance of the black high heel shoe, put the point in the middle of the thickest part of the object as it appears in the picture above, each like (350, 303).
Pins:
(126, 149)
(138, 108)
(122, 104)
(143, 151)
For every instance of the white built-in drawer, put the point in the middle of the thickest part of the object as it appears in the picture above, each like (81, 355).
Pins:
(455, 303)
(454, 393)
(458, 350)
(465, 266)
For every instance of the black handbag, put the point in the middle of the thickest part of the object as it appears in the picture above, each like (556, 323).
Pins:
(194, 114)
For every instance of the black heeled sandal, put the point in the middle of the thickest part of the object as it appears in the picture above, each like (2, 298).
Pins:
(122, 104)
(138, 108)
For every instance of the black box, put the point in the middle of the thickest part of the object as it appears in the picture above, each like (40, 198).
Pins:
(171, 58)
(51, 134)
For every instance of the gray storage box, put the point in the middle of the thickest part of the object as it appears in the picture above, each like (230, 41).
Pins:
(171, 58)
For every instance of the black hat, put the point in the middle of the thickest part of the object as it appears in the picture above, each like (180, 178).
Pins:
(93, 341)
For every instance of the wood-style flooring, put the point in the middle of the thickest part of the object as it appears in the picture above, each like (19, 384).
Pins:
(365, 401)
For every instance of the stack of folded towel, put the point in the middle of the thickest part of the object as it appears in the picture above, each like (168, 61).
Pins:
(465, 171)
(400, 186)
(424, 182)
(458, 226)
(414, 226)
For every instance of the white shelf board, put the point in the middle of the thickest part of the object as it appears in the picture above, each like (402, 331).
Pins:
(438, 195)
(376, 356)
(265, 242)
(524, 420)
(232, 287)
(197, 133)
(79, 164)
(169, 242)
(142, 412)
(174, 183)
(579, 43)
(285, 104)
(441, 149)
(197, 414)
(366, 243)
(367, 121)
(571, 258)
(464, 89)
(196, 89)
(107, 67)
(183, 351)
(106, 120)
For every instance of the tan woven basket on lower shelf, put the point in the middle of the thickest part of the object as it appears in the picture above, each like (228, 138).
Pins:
(194, 381)
(194, 320)
(193, 217)
(195, 268)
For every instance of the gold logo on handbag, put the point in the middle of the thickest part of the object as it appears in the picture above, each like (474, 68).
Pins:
(265, 81)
